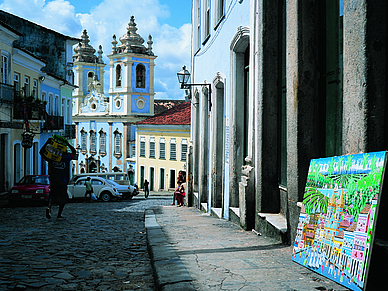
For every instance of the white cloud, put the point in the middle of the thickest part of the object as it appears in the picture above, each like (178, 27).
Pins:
(58, 15)
(171, 44)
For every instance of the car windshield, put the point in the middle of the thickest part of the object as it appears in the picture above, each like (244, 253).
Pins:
(35, 180)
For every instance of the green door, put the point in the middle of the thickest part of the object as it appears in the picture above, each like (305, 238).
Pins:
(141, 177)
(152, 174)
(131, 178)
(161, 179)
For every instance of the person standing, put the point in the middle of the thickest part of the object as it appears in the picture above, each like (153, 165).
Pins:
(89, 189)
(59, 173)
(146, 190)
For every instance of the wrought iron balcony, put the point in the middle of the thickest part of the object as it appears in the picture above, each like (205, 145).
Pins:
(53, 122)
(34, 110)
(69, 131)
(7, 93)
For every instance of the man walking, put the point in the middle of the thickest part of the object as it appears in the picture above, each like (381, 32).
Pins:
(146, 190)
(89, 189)
(59, 178)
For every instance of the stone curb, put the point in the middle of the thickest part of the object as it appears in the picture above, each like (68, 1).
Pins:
(169, 272)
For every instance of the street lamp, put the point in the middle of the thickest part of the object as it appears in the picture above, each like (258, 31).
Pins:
(184, 77)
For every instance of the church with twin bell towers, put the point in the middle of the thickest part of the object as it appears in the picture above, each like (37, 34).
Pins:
(105, 136)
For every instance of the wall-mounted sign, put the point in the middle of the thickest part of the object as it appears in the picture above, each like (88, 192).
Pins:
(27, 139)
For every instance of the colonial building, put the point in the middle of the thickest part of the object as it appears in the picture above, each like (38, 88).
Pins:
(162, 142)
(291, 81)
(36, 86)
(104, 123)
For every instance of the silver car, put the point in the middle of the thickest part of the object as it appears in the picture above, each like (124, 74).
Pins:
(101, 188)
(128, 191)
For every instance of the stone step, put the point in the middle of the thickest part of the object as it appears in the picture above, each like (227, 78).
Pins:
(273, 225)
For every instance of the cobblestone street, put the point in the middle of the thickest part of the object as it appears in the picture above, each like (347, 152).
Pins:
(100, 246)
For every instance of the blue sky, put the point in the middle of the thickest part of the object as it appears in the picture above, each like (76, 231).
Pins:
(168, 21)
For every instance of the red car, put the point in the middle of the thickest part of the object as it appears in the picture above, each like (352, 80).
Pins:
(31, 188)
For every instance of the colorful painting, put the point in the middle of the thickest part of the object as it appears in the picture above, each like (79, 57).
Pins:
(335, 231)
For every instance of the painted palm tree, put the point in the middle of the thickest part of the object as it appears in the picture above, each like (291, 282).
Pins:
(348, 164)
(373, 165)
(316, 174)
(365, 160)
(340, 161)
(314, 201)
(362, 192)
(330, 170)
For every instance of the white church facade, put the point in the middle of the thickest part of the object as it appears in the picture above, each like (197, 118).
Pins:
(105, 136)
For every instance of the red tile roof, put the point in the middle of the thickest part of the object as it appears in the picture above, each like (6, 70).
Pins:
(161, 105)
(178, 115)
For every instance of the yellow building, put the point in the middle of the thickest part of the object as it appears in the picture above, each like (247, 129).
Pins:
(161, 147)
(20, 115)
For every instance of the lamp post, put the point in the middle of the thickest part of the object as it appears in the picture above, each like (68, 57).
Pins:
(184, 79)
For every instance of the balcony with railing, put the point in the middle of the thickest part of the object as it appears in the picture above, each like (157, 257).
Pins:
(34, 110)
(53, 122)
(7, 93)
(69, 131)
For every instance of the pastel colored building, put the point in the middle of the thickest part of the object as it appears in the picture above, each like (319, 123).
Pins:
(105, 135)
(162, 144)
(36, 89)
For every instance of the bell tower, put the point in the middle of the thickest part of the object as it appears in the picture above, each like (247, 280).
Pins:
(89, 71)
(131, 88)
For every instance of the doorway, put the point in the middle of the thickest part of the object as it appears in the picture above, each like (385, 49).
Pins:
(2, 162)
(141, 177)
(152, 179)
(161, 180)
(172, 179)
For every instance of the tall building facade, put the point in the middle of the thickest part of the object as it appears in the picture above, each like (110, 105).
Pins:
(36, 86)
(105, 135)
(291, 81)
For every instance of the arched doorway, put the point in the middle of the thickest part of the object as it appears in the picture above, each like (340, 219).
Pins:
(92, 167)
(239, 110)
(218, 144)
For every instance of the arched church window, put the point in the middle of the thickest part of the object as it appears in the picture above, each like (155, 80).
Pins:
(118, 76)
(89, 80)
(140, 76)
(102, 143)
(83, 141)
(93, 146)
(117, 143)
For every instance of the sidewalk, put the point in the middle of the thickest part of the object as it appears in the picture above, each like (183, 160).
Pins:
(191, 250)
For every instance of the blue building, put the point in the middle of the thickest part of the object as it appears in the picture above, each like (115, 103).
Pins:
(105, 136)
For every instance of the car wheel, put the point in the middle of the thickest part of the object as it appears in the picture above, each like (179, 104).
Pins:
(105, 196)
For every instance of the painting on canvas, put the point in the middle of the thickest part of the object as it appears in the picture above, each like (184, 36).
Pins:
(340, 203)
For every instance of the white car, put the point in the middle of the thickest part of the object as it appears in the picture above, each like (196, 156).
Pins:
(128, 191)
(101, 188)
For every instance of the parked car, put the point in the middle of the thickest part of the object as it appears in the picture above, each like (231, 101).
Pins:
(31, 188)
(101, 188)
(128, 191)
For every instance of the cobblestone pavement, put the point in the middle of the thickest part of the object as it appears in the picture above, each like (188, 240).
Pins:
(100, 246)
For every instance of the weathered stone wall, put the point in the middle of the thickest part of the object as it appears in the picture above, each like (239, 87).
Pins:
(365, 76)
(44, 43)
